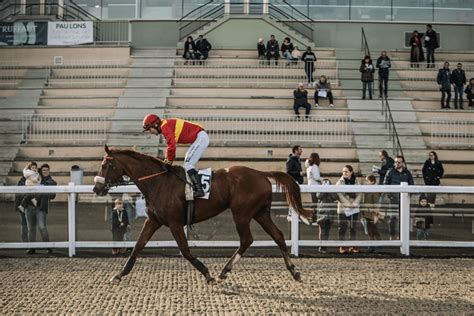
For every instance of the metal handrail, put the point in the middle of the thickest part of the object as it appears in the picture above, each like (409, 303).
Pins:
(200, 21)
(364, 44)
(196, 9)
(392, 130)
(81, 14)
(306, 32)
(306, 17)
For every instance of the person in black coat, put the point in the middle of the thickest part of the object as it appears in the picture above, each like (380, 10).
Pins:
(203, 47)
(273, 49)
(309, 59)
(387, 164)
(120, 223)
(444, 81)
(293, 164)
(458, 78)
(416, 52)
(18, 200)
(301, 100)
(189, 49)
(383, 64)
(432, 171)
(262, 51)
(431, 43)
(470, 92)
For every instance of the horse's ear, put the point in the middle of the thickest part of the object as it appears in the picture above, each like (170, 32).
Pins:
(107, 150)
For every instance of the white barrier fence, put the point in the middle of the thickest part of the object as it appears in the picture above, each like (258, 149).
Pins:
(64, 128)
(452, 133)
(404, 243)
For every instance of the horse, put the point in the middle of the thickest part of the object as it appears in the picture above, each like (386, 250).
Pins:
(246, 192)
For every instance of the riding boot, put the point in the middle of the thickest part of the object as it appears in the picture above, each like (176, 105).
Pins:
(196, 181)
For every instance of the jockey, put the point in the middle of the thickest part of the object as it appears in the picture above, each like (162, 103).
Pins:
(178, 131)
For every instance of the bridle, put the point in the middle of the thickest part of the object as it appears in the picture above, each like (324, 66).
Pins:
(109, 184)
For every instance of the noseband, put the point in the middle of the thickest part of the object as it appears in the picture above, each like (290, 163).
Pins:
(109, 184)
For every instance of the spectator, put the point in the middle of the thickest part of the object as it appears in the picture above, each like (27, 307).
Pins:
(43, 207)
(301, 100)
(323, 90)
(416, 52)
(189, 49)
(293, 164)
(383, 64)
(444, 79)
(140, 207)
(287, 49)
(313, 174)
(295, 54)
(387, 164)
(119, 224)
(431, 43)
(18, 199)
(371, 211)
(458, 77)
(348, 208)
(395, 176)
(432, 173)
(367, 76)
(470, 92)
(309, 59)
(203, 47)
(32, 178)
(261, 50)
(325, 213)
(128, 206)
(423, 218)
(273, 50)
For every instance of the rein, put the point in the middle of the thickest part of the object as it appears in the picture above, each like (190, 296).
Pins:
(152, 175)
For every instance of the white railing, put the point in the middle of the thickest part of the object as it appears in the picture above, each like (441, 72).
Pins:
(447, 132)
(316, 129)
(112, 32)
(64, 128)
(404, 243)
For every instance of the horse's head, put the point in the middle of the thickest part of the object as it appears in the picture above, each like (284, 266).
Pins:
(110, 174)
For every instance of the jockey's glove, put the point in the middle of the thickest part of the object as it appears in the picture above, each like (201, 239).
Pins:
(168, 162)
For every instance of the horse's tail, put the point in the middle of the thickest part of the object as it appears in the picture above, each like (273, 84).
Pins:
(292, 192)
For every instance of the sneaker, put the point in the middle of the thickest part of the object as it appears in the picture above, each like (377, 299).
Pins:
(322, 250)
(30, 252)
(354, 249)
(342, 250)
(316, 105)
(21, 208)
(50, 251)
(331, 105)
(34, 202)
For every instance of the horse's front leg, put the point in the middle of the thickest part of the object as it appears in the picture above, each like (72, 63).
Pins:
(148, 229)
(178, 233)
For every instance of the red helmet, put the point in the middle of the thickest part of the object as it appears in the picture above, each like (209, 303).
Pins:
(151, 120)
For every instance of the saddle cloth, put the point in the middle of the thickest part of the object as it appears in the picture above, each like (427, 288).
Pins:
(205, 175)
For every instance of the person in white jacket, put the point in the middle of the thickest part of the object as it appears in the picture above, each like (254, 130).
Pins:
(314, 176)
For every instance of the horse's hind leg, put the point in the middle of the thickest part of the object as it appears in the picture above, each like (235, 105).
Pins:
(246, 239)
(178, 233)
(148, 229)
(265, 220)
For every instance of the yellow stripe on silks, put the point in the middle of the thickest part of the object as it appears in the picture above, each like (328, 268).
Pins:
(178, 129)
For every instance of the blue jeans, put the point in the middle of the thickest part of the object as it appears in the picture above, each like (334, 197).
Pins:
(24, 227)
(458, 91)
(430, 59)
(367, 85)
(34, 216)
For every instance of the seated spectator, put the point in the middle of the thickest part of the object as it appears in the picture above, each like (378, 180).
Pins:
(323, 90)
(295, 54)
(286, 49)
(261, 49)
(189, 49)
(470, 92)
(423, 218)
(371, 211)
(273, 49)
(301, 100)
(203, 47)
(119, 224)
(326, 213)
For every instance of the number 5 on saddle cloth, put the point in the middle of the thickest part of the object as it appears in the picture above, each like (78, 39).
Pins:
(205, 175)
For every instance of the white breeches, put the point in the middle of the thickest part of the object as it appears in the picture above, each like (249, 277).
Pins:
(196, 150)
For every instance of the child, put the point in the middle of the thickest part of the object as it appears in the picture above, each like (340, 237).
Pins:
(423, 223)
(119, 224)
(371, 212)
(470, 92)
(326, 210)
(32, 178)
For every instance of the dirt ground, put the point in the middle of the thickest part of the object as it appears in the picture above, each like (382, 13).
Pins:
(169, 285)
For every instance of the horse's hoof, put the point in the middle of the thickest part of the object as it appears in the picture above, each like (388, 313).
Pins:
(211, 281)
(222, 277)
(116, 279)
(297, 276)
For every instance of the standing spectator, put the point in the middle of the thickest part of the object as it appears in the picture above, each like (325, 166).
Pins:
(273, 50)
(313, 174)
(383, 64)
(286, 49)
(43, 207)
(432, 173)
(470, 92)
(325, 213)
(203, 47)
(367, 76)
(128, 206)
(189, 49)
(371, 211)
(262, 52)
(444, 79)
(301, 100)
(119, 224)
(323, 90)
(395, 176)
(387, 164)
(458, 77)
(416, 52)
(423, 218)
(309, 59)
(431, 43)
(293, 164)
(18, 199)
(295, 55)
(348, 208)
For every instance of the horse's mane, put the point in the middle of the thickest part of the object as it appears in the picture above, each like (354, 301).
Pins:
(138, 155)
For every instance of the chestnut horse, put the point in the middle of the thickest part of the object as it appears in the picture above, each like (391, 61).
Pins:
(247, 192)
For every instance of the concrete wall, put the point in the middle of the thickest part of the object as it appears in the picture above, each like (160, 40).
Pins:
(154, 33)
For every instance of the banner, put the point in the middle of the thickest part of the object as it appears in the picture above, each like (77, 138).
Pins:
(6, 34)
(70, 33)
(23, 33)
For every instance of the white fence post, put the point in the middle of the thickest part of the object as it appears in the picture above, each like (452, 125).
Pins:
(295, 233)
(405, 221)
(71, 207)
